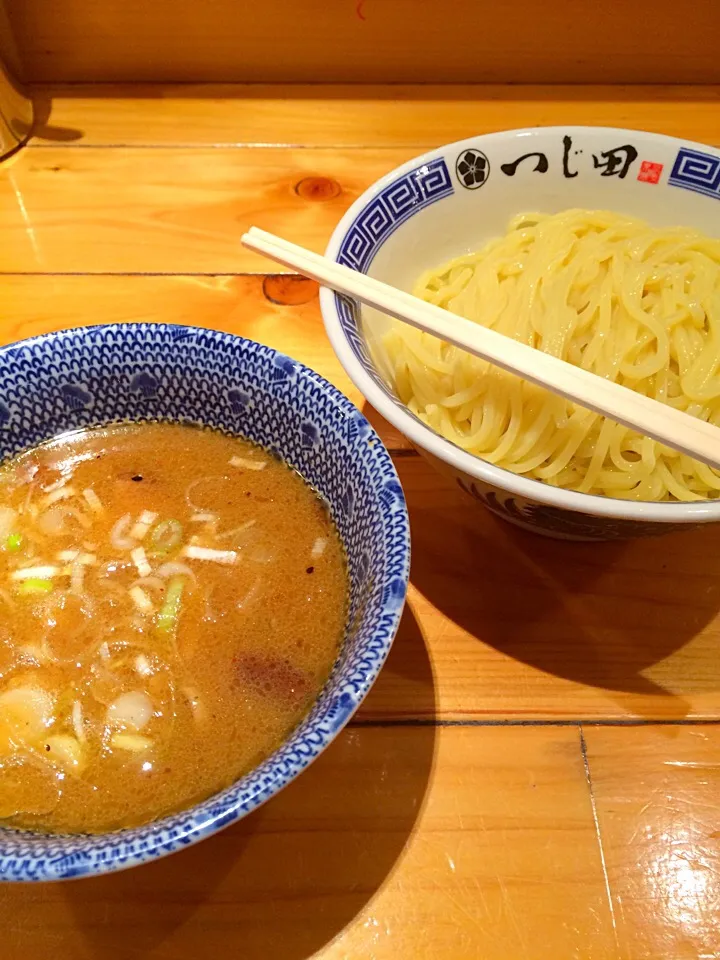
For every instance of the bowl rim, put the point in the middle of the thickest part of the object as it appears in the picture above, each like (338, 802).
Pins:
(445, 450)
(122, 849)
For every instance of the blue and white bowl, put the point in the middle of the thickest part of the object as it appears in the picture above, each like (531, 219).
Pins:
(449, 202)
(99, 375)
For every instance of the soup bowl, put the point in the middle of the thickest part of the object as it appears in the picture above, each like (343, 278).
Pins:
(142, 372)
(449, 202)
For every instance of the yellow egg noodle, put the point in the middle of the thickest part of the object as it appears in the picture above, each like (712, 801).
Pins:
(633, 303)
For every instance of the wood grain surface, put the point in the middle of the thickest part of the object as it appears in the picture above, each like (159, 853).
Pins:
(358, 115)
(535, 773)
(655, 794)
(425, 843)
(386, 41)
(149, 210)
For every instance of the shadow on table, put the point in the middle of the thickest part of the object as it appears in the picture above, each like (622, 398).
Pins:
(282, 883)
(595, 613)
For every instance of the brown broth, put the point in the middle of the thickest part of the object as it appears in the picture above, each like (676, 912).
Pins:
(214, 690)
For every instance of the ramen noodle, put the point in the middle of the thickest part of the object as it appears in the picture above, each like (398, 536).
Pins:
(632, 303)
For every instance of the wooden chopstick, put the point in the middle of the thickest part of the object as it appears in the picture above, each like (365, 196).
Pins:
(681, 431)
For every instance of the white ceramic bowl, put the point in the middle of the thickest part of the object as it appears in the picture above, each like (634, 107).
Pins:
(450, 201)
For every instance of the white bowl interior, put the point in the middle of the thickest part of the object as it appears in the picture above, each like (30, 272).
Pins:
(464, 221)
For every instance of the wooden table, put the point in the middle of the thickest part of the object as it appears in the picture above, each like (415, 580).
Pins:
(537, 771)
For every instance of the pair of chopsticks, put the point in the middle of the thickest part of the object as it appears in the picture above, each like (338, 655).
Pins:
(665, 424)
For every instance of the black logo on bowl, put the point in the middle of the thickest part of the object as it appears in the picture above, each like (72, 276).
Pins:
(472, 168)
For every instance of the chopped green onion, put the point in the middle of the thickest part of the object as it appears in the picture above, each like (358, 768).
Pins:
(166, 536)
(170, 611)
(33, 585)
(13, 542)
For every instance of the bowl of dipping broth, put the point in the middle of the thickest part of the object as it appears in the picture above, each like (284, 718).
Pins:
(204, 554)
(598, 245)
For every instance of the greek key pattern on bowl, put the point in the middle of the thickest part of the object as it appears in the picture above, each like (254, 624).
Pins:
(390, 209)
(395, 204)
(696, 171)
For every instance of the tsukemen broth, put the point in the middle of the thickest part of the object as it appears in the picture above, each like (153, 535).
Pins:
(172, 600)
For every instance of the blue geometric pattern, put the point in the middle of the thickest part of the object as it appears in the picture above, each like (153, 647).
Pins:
(391, 208)
(99, 375)
(696, 171)
(381, 217)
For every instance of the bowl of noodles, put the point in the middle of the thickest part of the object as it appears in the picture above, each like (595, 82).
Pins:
(598, 245)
